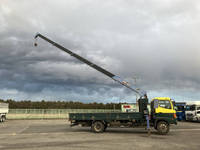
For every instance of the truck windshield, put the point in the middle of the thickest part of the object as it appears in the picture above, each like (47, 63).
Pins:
(190, 107)
(164, 104)
(180, 108)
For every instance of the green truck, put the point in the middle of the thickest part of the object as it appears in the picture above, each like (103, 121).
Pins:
(161, 116)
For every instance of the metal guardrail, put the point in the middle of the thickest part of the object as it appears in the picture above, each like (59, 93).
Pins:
(51, 113)
(58, 111)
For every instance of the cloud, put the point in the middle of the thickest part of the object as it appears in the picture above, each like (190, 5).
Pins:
(153, 40)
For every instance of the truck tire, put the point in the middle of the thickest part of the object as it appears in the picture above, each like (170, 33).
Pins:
(98, 127)
(162, 127)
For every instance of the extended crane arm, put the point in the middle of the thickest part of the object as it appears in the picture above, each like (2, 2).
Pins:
(109, 74)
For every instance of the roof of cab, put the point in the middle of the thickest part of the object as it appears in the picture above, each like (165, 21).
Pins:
(162, 98)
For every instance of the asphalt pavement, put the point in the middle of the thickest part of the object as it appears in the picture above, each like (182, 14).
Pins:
(58, 135)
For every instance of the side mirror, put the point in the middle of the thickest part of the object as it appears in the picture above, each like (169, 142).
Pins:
(155, 105)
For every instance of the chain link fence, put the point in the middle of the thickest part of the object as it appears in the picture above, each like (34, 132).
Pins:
(51, 113)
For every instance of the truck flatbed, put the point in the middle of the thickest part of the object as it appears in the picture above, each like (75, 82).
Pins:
(107, 116)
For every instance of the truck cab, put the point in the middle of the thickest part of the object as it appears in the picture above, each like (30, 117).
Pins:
(192, 111)
(180, 110)
(163, 113)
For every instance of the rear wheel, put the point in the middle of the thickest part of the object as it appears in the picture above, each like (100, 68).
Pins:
(98, 127)
(162, 127)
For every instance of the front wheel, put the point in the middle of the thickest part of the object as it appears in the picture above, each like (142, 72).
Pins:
(98, 127)
(162, 127)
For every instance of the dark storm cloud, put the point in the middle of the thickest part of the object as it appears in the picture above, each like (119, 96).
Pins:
(153, 40)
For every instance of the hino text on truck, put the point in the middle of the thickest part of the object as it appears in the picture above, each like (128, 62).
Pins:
(3, 111)
(162, 109)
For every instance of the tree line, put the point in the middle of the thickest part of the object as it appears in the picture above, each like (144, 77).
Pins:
(28, 104)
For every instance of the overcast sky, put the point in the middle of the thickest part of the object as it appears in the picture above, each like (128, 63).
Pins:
(155, 41)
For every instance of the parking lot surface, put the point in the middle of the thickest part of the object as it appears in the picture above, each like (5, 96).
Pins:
(58, 135)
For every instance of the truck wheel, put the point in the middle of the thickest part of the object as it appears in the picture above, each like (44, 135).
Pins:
(98, 127)
(162, 127)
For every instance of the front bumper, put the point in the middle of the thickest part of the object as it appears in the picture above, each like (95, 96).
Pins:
(193, 118)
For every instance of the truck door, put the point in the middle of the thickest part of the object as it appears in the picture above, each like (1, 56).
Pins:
(164, 106)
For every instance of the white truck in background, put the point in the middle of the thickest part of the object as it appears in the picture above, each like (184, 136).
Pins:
(3, 111)
(192, 112)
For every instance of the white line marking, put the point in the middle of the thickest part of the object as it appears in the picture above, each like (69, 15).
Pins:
(20, 131)
(184, 129)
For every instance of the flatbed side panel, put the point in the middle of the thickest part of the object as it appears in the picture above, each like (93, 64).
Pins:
(105, 116)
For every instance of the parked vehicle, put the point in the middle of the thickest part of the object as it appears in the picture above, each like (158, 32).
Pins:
(3, 111)
(193, 111)
(161, 116)
(180, 110)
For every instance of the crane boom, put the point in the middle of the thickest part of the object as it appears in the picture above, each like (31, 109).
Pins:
(98, 68)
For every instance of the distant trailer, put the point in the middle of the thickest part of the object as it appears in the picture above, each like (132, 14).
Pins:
(3, 111)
